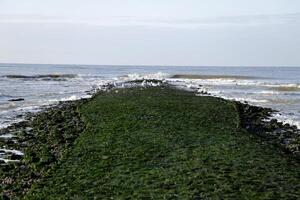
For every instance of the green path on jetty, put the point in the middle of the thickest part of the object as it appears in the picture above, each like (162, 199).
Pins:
(162, 143)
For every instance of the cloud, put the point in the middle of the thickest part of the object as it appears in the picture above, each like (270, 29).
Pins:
(244, 20)
(27, 18)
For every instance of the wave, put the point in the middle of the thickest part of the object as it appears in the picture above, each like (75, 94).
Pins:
(237, 80)
(42, 76)
(268, 92)
(193, 76)
(135, 76)
(73, 98)
(5, 96)
(16, 152)
(287, 88)
(247, 100)
(7, 136)
(286, 118)
(7, 106)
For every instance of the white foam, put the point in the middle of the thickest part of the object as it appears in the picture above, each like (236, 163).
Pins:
(7, 106)
(219, 81)
(268, 92)
(240, 82)
(7, 124)
(7, 136)
(71, 98)
(155, 76)
(16, 152)
(248, 100)
(9, 161)
(286, 119)
(291, 85)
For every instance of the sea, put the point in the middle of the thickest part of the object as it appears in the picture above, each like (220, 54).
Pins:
(29, 88)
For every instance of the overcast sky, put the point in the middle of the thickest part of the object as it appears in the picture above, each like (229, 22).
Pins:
(151, 32)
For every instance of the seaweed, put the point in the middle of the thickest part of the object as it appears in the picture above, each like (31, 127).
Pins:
(151, 143)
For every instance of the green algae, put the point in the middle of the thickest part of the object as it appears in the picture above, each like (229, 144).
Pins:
(45, 140)
(161, 143)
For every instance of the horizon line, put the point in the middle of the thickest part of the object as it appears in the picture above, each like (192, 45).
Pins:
(147, 65)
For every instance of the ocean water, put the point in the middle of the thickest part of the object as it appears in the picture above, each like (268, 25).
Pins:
(43, 85)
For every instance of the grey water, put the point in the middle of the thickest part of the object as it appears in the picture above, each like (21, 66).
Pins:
(42, 85)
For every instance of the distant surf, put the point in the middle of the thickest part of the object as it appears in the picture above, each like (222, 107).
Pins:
(43, 85)
(195, 76)
(42, 76)
(280, 94)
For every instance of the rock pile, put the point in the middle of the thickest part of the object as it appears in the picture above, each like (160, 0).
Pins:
(44, 138)
(257, 120)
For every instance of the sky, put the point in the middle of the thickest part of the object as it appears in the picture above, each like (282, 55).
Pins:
(151, 32)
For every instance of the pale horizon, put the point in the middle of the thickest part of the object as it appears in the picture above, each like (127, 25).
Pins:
(144, 65)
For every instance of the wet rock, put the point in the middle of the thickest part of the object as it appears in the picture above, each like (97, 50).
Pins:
(44, 138)
(274, 122)
(9, 142)
(279, 131)
(28, 129)
(23, 167)
(294, 127)
(5, 197)
(255, 120)
(16, 157)
(7, 181)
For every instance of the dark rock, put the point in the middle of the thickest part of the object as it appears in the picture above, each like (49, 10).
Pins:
(273, 121)
(5, 197)
(16, 157)
(43, 137)
(23, 167)
(9, 142)
(254, 120)
(294, 127)
(279, 131)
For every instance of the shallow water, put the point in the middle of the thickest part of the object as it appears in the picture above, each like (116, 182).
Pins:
(41, 85)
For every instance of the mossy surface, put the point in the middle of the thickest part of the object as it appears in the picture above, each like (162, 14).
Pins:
(162, 143)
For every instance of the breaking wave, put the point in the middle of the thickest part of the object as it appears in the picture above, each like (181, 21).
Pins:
(46, 77)
(193, 76)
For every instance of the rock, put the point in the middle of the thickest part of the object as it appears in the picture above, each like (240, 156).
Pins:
(8, 181)
(5, 197)
(255, 120)
(279, 131)
(9, 142)
(273, 121)
(16, 157)
(23, 167)
(286, 142)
